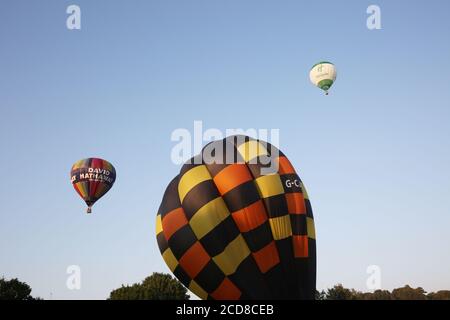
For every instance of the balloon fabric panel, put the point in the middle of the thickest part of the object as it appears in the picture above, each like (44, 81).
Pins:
(228, 232)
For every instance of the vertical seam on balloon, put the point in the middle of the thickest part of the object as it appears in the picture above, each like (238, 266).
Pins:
(234, 223)
(286, 289)
(179, 176)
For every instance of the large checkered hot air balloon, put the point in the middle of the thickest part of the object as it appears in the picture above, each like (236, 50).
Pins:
(236, 223)
(92, 178)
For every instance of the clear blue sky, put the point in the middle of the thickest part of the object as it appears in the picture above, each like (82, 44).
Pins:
(374, 154)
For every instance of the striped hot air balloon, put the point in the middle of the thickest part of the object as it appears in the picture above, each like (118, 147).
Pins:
(323, 75)
(92, 178)
(227, 231)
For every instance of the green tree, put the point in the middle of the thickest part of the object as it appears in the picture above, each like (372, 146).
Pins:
(408, 293)
(14, 290)
(376, 295)
(158, 286)
(338, 292)
(440, 295)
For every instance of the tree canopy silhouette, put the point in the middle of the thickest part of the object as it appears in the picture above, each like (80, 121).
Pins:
(339, 292)
(14, 290)
(158, 286)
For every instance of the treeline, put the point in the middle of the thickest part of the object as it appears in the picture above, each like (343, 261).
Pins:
(339, 292)
(161, 286)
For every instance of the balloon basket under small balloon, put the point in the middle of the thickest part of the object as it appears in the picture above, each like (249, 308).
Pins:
(89, 210)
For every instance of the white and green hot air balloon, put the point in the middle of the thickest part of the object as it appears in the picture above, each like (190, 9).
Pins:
(323, 75)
